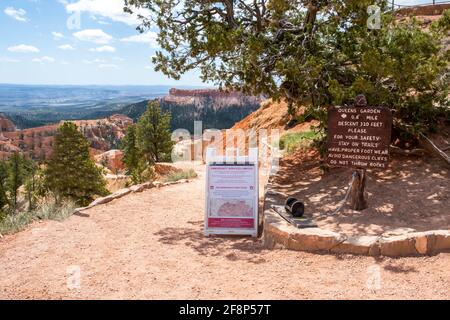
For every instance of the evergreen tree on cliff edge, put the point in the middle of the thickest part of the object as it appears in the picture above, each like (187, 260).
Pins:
(71, 173)
(153, 134)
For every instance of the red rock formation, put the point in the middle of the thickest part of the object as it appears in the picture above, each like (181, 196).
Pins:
(37, 143)
(6, 125)
(112, 160)
(423, 10)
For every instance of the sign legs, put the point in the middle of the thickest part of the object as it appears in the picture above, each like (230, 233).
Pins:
(358, 197)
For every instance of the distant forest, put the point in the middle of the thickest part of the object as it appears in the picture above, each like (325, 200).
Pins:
(183, 115)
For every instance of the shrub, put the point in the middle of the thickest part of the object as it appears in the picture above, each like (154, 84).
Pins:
(293, 141)
(49, 211)
(177, 176)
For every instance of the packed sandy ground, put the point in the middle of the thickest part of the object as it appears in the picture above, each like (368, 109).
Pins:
(413, 193)
(150, 246)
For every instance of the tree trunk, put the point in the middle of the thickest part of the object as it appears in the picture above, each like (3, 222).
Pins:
(358, 198)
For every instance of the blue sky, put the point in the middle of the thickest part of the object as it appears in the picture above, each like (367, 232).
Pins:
(47, 42)
(37, 46)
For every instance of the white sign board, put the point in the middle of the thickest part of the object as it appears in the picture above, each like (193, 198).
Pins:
(232, 195)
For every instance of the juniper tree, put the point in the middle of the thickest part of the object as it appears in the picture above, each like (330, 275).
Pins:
(71, 173)
(313, 53)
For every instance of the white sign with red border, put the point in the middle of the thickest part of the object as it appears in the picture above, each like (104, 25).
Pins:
(232, 194)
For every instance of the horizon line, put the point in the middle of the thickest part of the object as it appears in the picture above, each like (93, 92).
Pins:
(106, 85)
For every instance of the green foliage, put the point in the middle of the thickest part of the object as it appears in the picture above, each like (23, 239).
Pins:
(4, 201)
(130, 149)
(314, 53)
(290, 142)
(184, 114)
(14, 173)
(17, 172)
(135, 164)
(50, 211)
(153, 136)
(147, 142)
(177, 176)
(35, 188)
(71, 173)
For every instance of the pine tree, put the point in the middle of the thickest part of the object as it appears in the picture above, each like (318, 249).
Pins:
(16, 176)
(130, 149)
(34, 185)
(153, 134)
(3, 186)
(70, 172)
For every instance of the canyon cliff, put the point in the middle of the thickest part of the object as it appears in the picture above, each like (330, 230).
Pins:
(216, 109)
(37, 143)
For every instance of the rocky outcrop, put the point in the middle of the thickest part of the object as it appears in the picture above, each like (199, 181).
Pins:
(216, 109)
(423, 10)
(37, 143)
(111, 159)
(6, 125)
(210, 98)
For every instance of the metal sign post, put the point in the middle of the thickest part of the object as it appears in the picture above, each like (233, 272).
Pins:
(232, 193)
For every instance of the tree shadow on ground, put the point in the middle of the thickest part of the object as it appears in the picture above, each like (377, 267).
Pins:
(399, 268)
(231, 247)
(411, 193)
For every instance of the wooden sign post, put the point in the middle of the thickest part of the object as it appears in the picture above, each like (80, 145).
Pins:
(359, 137)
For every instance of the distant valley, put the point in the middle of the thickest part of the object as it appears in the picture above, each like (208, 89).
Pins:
(30, 116)
(33, 106)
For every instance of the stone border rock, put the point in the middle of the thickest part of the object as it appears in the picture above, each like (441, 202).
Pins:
(123, 192)
(278, 233)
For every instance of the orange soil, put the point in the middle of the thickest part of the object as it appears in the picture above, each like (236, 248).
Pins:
(150, 246)
(412, 193)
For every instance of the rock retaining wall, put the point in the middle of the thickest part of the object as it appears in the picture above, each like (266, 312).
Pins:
(278, 233)
(123, 192)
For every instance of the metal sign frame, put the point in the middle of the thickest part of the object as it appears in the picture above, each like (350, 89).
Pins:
(232, 159)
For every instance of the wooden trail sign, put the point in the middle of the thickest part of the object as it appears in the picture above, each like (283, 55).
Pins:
(359, 137)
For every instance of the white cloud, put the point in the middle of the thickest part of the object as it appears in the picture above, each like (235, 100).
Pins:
(6, 59)
(110, 9)
(109, 66)
(148, 67)
(57, 35)
(23, 48)
(18, 14)
(103, 49)
(44, 59)
(148, 38)
(93, 35)
(66, 47)
(85, 61)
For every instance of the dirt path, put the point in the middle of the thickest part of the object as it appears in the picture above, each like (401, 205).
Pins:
(150, 245)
